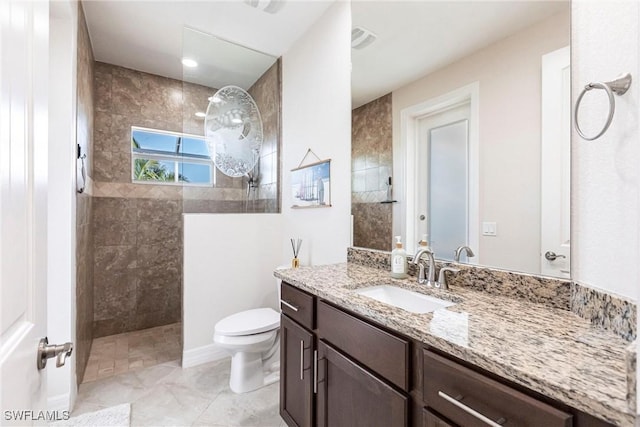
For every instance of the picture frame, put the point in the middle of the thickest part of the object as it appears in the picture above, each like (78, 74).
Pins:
(311, 185)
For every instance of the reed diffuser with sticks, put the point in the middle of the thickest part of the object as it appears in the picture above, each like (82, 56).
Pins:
(295, 245)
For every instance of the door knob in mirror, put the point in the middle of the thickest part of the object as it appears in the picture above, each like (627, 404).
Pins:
(551, 256)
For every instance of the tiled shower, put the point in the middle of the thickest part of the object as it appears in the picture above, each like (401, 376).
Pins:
(371, 166)
(129, 235)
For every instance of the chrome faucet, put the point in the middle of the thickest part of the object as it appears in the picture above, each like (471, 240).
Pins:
(470, 253)
(430, 281)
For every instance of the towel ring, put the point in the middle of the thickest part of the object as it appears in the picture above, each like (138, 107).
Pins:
(618, 86)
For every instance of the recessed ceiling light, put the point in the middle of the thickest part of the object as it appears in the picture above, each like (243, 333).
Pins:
(200, 114)
(189, 62)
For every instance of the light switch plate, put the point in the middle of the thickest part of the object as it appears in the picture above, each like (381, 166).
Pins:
(489, 229)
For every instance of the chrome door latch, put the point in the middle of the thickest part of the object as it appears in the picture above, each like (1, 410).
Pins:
(46, 351)
(551, 256)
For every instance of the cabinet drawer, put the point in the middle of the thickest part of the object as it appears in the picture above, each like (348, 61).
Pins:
(297, 304)
(465, 396)
(380, 351)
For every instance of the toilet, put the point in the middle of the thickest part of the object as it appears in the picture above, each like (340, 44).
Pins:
(252, 337)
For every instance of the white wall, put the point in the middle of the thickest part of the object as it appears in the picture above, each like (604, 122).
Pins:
(509, 77)
(61, 264)
(316, 114)
(605, 235)
(228, 267)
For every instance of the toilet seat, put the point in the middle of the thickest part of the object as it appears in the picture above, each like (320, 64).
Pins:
(249, 322)
(245, 340)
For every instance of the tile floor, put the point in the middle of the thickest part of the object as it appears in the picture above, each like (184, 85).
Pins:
(117, 354)
(167, 395)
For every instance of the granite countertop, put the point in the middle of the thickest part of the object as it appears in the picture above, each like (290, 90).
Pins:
(548, 350)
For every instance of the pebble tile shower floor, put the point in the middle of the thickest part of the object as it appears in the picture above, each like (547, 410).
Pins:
(117, 354)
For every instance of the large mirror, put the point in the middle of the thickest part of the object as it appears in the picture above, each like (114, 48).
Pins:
(461, 130)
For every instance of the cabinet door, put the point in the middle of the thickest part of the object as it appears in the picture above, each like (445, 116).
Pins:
(349, 395)
(296, 374)
(429, 419)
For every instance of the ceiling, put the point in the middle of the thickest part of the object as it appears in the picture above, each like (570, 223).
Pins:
(416, 38)
(150, 36)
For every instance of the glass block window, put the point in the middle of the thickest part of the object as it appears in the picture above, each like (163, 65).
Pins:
(165, 157)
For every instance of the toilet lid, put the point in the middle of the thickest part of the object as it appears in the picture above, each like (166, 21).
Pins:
(249, 322)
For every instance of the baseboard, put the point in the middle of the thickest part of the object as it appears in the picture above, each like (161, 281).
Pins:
(61, 402)
(199, 355)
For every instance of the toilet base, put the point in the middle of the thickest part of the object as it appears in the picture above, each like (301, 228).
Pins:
(247, 373)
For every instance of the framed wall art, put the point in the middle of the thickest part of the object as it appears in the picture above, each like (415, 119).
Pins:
(311, 184)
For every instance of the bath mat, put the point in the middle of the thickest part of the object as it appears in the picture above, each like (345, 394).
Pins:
(119, 416)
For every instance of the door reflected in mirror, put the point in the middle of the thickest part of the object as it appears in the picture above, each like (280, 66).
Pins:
(497, 179)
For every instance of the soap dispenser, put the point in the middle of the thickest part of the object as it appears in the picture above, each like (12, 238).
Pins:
(398, 260)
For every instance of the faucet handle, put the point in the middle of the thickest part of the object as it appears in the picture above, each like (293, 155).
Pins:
(442, 277)
(421, 276)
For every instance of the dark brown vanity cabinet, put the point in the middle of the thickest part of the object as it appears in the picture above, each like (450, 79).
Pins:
(342, 372)
(349, 395)
(297, 357)
(296, 377)
(363, 372)
(339, 369)
(468, 398)
(430, 419)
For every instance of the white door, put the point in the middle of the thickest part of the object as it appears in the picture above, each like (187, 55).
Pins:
(24, 27)
(555, 244)
(443, 189)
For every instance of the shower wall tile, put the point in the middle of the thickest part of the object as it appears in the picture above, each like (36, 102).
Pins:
(195, 99)
(115, 294)
(110, 260)
(112, 166)
(127, 98)
(159, 233)
(84, 297)
(84, 282)
(135, 230)
(371, 165)
(138, 191)
(162, 99)
(113, 233)
(102, 86)
(138, 263)
(372, 225)
(213, 206)
(127, 94)
(111, 130)
(266, 93)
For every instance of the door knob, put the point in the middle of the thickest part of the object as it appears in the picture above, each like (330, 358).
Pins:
(551, 256)
(422, 217)
(47, 351)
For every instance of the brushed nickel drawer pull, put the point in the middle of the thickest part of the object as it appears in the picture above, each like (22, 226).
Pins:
(315, 371)
(301, 359)
(470, 411)
(292, 307)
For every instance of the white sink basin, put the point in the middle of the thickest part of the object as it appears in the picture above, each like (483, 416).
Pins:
(402, 298)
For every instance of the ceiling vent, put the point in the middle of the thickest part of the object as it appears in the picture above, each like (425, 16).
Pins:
(269, 6)
(361, 38)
